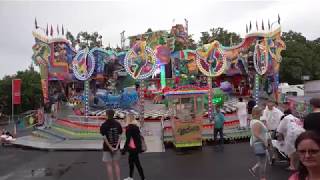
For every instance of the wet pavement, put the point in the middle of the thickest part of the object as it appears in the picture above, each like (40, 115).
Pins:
(197, 164)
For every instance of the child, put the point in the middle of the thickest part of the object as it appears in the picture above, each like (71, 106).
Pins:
(218, 126)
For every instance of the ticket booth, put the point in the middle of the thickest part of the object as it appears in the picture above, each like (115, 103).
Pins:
(186, 109)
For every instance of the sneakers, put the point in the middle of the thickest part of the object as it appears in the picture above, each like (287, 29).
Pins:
(252, 172)
(128, 178)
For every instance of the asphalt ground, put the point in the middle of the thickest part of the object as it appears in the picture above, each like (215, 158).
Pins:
(196, 164)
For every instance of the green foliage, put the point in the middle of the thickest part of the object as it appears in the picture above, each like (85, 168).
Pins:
(31, 93)
(223, 36)
(301, 57)
(71, 38)
(86, 39)
(205, 38)
(191, 43)
(149, 30)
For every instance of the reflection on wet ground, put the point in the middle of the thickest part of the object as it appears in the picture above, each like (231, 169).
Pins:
(57, 172)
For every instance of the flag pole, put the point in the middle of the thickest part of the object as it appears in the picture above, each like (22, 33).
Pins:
(12, 110)
(12, 106)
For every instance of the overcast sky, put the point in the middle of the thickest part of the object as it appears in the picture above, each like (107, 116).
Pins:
(111, 17)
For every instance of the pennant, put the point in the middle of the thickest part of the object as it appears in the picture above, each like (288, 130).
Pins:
(262, 27)
(58, 32)
(51, 31)
(246, 28)
(278, 19)
(269, 26)
(62, 30)
(35, 23)
(250, 27)
(47, 30)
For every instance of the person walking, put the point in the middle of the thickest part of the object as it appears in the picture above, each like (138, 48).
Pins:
(133, 145)
(111, 131)
(218, 126)
(259, 143)
(47, 115)
(308, 150)
(242, 113)
(312, 120)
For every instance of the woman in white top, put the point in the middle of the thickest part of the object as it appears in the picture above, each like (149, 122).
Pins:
(242, 113)
(259, 135)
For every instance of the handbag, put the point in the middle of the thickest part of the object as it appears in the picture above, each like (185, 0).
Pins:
(132, 145)
(259, 148)
(143, 144)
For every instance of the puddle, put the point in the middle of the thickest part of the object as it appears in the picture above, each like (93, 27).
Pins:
(55, 172)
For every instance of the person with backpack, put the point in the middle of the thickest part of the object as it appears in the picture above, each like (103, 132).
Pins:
(134, 146)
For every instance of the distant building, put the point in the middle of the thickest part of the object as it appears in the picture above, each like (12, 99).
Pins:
(312, 88)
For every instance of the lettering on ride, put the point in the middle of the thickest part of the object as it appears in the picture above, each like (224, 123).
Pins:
(188, 129)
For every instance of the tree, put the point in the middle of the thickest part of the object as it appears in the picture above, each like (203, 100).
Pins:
(219, 34)
(301, 57)
(71, 38)
(191, 43)
(89, 40)
(31, 92)
(149, 30)
(205, 38)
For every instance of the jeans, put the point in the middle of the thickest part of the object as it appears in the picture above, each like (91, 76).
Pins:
(215, 134)
(134, 160)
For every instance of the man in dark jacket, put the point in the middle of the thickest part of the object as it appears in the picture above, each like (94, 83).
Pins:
(250, 105)
(111, 131)
(312, 120)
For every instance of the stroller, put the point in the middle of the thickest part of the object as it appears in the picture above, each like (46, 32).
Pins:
(287, 132)
(276, 151)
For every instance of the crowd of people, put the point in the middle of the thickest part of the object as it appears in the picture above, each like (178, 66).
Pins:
(272, 129)
(275, 132)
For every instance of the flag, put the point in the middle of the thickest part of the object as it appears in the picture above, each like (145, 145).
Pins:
(35, 23)
(257, 25)
(62, 30)
(262, 27)
(16, 91)
(47, 30)
(269, 26)
(246, 28)
(58, 29)
(250, 27)
(278, 19)
(51, 31)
